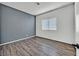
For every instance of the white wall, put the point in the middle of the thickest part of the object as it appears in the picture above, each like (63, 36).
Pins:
(65, 25)
(77, 26)
(77, 21)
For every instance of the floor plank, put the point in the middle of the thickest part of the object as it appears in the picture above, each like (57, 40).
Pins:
(37, 47)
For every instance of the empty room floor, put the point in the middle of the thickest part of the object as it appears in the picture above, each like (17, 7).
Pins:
(37, 46)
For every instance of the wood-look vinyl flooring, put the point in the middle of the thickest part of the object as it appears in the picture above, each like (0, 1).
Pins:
(37, 47)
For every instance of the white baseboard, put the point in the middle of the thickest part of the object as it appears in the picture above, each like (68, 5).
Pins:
(54, 40)
(17, 40)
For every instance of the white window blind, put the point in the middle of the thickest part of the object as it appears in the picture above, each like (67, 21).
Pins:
(49, 24)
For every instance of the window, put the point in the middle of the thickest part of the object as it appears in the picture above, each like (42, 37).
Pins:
(49, 24)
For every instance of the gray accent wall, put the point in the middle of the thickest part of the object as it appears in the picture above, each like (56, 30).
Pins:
(15, 24)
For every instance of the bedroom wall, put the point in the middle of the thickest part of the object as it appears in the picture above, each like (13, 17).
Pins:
(65, 25)
(15, 24)
(77, 26)
(0, 25)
